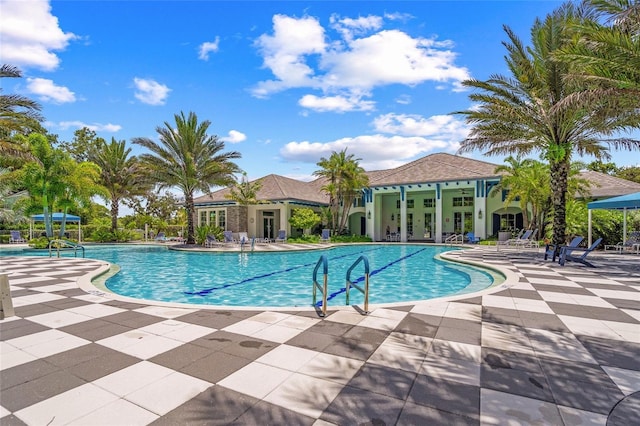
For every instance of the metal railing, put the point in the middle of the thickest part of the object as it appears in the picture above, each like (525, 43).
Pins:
(64, 245)
(323, 288)
(350, 284)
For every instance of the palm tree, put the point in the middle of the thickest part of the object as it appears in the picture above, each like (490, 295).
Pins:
(345, 178)
(245, 192)
(78, 185)
(120, 174)
(189, 159)
(525, 113)
(18, 114)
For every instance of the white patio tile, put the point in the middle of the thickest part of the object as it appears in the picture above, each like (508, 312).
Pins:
(14, 357)
(504, 302)
(380, 323)
(32, 299)
(304, 394)
(121, 341)
(130, 379)
(465, 311)
(332, 367)
(288, 357)
(3, 412)
(256, 379)
(615, 294)
(57, 319)
(67, 406)
(555, 344)
(632, 313)
(277, 333)
(96, 310)
(532, 305)
(506, 337)
(154, 397)
(57, 287)
(573, 416)
(500, 408)
(551, 281)
(346, 317)
(119, 412)
(403, 351)
(150, 347)
(246, 327)
(589, 327)
(165, 312)
(628, 381)
(270, 317)
(300, 322)
(94, 298)
(451, 349)
(435, 309)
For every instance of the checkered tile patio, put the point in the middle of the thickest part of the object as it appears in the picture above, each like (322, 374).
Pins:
(557, 345)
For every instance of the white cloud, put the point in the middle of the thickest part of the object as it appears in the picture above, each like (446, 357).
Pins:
(404, 99)
(206, 47)
(150, 92)
(47, 91)
(96, 127)
(401, 138)
(29, 35)
(234, 137)
(335, 103)
(364, 56)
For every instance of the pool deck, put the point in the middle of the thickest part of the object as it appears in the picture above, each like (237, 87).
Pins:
(552, 345)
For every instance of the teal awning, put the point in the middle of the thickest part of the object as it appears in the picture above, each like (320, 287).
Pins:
(57, 217)
(629, 201)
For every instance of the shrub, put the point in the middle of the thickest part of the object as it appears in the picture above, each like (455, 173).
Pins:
(39, 243)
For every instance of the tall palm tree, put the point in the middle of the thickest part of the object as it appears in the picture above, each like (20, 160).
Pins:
(345, 178)
(18, 114)
(189, 159)
(525, 112)
(120, 174)
(245, 192)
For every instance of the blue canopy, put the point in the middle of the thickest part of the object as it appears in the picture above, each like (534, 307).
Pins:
(57, 217)
(629, 201)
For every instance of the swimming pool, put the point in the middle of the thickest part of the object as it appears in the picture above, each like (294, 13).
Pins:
(398, 273)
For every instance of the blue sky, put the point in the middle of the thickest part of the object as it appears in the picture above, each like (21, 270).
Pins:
(284, 83)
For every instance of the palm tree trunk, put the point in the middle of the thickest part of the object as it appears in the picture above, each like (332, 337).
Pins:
(188, 204)
(114, 214)
(559, 179)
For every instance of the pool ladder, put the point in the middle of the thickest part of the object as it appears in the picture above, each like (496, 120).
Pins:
(64, 244)
(323, 288)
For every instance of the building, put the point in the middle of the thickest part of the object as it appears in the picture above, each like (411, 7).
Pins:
(424, 200)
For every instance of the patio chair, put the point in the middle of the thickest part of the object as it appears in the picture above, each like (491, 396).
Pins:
(282, 236)
(551, 250)
(514, 242)
(566, 253)
(228, 237)
(16, 238)
(161, 237)
(326, 236)
(472, 239)
(243, 238)
(630, 244)
(211, 241)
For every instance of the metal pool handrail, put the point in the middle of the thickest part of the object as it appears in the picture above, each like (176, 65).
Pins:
(65, 244)
(364, 290)
(323, 289)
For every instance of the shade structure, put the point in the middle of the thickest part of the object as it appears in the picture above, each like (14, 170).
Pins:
(623, 202)
(57, 217)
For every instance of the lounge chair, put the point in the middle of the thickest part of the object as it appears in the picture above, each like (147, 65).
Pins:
(282, 236)
(211, 241)
(566, 253)
(16, 238)
(513, 241)
(243, 238)
(454, 239)
(472, 239)
(553, 251)
(326, 236)
(629, 244)
(228, 237)
(161, 237)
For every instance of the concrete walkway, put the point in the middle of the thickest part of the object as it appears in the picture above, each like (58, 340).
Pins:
(553, 345)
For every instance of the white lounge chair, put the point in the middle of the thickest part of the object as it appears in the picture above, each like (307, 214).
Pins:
(16, 238)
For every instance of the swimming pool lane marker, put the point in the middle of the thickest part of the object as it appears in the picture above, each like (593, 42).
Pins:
(372, 273)
(207, 291)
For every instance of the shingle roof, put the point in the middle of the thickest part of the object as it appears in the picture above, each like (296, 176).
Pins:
(434, 168)
(276, 188)
(603, 185)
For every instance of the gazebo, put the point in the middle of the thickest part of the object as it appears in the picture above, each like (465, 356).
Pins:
(56, 217)
(623, 202)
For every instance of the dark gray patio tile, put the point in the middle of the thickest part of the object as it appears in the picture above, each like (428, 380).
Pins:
(452, 397)
(472, 300)
(585, 396)
(132, 319)
(384, 380)
(419, 325)
(124, 304)
(474, 326)
(461, 335)
(593, 312)
(577, 373)
(73, 292)
(627, 412)
(357, 407)
(517, 382)
(497, 358)
(78, 355)
(181, 356)
(313, 341)
(66, 303)
(405, 308)
(330, 327)
(23, 292)
(215, 367)
(624, 303)
(110, 362)
(501, 316)
(18, 328)
(525, 294)
(352, 348)
(42, 283)
(367, 334)
(215, 406)
(24, 373)
(613, 353)
(216, 319)
(414, 414)
(33, 310)
(543, 321)
(12, 420)
(264, 413)
(95, 329)
(504, 293)
(562, 289)
(39, 389)
(217, 340)
(250, 348)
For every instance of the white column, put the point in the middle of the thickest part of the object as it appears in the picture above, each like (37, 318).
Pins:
(403, 215)
(438, 230)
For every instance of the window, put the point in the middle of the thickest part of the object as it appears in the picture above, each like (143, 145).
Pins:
(428, 202)
(222, 219)
(507, 222)
(410, 204)
(212, 217)
(203, 217)
(462, 201)
(397, 204)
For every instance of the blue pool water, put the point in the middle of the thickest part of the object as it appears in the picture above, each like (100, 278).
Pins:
(398, 273)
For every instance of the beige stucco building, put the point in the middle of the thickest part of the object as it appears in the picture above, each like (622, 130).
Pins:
(424, 200)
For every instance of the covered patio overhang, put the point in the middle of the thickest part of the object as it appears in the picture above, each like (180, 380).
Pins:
(623, 202)
(56, 217)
